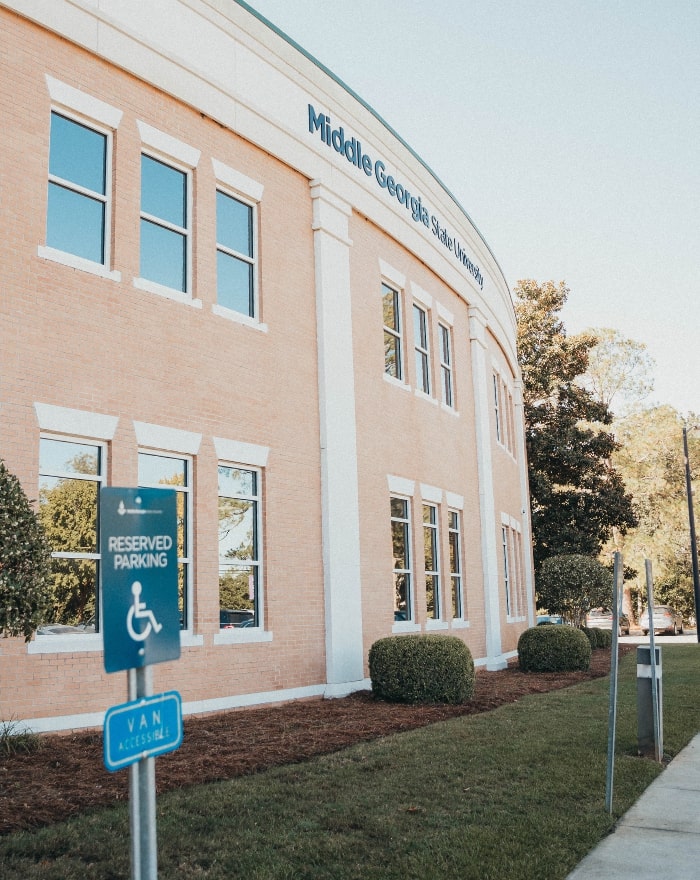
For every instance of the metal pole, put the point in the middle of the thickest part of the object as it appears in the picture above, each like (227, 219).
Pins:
(658, 747)
(142, 794)
(612, 708)
(693, 542)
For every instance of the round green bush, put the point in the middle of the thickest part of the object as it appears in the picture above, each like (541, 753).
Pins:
(421, 669)
(553, 649)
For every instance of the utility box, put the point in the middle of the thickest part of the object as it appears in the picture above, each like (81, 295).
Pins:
(646, 727)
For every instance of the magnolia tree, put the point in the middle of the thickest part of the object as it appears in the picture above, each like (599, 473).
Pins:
(25, 560)
(572, 584)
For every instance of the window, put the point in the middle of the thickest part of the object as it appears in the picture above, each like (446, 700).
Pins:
(391, 309)
(505, 414)
(514, 576)
(235, 255)
(432, 564)
(401, 547)
(446, 365)
(239, 547)
(421, 344)
(164, 224)
(159, 471)
(70, 475)
(77, 216)
(455, 541)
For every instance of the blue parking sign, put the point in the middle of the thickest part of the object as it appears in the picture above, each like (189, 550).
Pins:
(139, 577)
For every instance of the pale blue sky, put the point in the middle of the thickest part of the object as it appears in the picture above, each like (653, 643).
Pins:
(569, 130)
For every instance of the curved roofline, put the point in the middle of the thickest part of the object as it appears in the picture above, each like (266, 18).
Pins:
(380, 119)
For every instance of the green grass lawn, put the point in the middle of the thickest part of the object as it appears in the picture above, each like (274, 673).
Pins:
(514, 793)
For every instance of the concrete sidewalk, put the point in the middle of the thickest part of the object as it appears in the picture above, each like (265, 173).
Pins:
(660, 835)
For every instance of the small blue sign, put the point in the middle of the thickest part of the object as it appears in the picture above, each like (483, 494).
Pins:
(139, 577)
(142, 729)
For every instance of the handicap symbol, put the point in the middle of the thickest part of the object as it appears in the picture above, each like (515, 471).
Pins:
(139, 611)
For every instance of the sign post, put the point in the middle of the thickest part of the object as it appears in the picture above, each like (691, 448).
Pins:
(140, 626)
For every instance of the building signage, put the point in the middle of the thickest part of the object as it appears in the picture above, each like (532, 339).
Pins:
(142, 729)
(352, 149)
(139, 572)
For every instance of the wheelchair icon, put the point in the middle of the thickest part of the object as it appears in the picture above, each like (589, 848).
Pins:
(140, 612)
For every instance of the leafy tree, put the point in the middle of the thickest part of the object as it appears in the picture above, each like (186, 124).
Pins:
(619, 371)
(577, 495)
(68, 512)
(650, 459)
(572, 584)
(25, 560)
(236, 544)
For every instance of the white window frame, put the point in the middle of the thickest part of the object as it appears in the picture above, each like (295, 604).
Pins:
(234, 184)
(446, 367)
(421, 347)
(174, 153)
(396, 333)
(456, 574)
(186, 491)
(68, 643)
(431, 529)
(514, 574)
(254, 633)
(80, 107)
(407, 524)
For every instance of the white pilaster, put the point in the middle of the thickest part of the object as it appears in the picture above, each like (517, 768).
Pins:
(524, 501)
(489, 545)
(339, 484)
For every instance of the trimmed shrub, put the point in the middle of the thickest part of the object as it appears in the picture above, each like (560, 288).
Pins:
(599, 638)
(421, 669)
(553, 649)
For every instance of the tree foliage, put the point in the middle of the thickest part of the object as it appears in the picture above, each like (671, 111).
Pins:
(577, 495)
(572, 584)
(650, 459)
(25, 560)
(619, 371)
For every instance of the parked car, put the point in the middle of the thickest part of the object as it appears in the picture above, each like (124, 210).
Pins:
(549, 618)
(666, 620)
(229, 618)
(599, 617)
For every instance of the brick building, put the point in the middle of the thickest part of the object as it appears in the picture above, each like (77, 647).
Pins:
(223, 273)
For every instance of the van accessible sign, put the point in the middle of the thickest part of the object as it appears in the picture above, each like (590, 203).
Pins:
(142, 729)
(138, 574)
(352, 149)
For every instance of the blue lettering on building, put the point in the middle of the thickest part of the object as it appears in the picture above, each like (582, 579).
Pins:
(353, 151)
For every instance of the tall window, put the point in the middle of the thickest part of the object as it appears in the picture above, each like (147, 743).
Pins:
(168, 472)
(77, 203)
(70, 475)
(446, 365)
(239, 547)
(421, 344)
(235, 255)
(432, 563)
(505, 414)
(164, 224)
(513, 565)
(401, 547)
(391, 309)
(455, 540)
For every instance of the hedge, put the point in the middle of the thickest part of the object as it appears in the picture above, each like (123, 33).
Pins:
(553, 649)
(421, 669)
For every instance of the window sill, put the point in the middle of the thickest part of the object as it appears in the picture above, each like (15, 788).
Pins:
(449, 409)
(397, 383)
(520, 619)
(190, 640)
(238, 318)
(167, 292)
(423, 396)
(74, 262)
(247, 635)
(406, 626)
(65, 644)
(458, 623)
(435, 624)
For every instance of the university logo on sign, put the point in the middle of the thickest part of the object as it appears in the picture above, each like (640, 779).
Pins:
(139, 577)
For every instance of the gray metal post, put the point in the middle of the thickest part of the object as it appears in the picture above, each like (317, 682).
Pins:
(142, 794)
(612, 708)
(693, 541)
(658, 744)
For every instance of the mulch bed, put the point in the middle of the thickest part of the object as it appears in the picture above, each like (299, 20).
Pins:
(67, 775)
